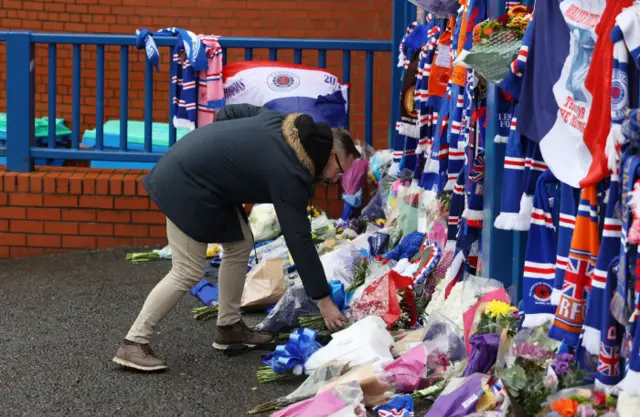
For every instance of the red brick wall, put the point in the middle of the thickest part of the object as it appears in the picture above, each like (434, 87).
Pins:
(64, 209)
(334, 19)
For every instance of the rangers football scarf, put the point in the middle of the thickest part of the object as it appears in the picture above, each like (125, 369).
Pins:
(454, 226)
(513, 183)
(619, 97)
(512, 83)
(506, 107)
(585, 245)
(599, 298)
(629, 170)
(434, 175)
(185, 70)
(534, 165)
(539, 265)
(398, 141)
(631, 382)
(473, 213)
(609, 248)
(609, 372)
(566, 225)
(456, 146)
(427, 115)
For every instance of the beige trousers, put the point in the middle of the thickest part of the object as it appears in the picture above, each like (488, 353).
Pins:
(187, 269)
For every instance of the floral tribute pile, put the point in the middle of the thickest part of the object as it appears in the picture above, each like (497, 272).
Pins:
(419, 339)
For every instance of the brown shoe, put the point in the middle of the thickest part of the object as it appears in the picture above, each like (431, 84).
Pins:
(139, 356)
(240, 334)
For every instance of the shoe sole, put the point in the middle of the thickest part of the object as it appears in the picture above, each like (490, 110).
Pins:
(132, 365)
(219, 346)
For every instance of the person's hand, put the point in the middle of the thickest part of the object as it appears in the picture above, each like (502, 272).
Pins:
(333, 318)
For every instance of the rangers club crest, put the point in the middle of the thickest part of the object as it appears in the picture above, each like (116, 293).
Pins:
(283, 81)
(619, 95)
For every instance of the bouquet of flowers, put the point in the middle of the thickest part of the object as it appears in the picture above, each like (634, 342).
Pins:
(533, 378)
(498, 316)
(313, 211)
(577, 402)
(496, 43)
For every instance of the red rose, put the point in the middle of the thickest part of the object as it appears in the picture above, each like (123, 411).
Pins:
(600, 399)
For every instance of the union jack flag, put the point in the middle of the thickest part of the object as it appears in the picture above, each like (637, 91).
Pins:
(478, 168)
(576, 277)
(609, 361)
(395, 413)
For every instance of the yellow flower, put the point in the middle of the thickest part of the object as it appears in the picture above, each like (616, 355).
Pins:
(497, 309)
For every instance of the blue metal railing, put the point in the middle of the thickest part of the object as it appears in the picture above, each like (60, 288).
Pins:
(21, 78)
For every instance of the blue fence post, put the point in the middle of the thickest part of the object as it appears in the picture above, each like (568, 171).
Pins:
(398, 30)
(497, 245)
(20, 109)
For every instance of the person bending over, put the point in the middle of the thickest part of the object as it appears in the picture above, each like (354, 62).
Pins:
(250, 155)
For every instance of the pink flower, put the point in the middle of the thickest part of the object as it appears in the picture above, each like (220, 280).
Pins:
(551, 382)
(586, 410)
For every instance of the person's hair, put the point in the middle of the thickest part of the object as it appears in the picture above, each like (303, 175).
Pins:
(343, 142)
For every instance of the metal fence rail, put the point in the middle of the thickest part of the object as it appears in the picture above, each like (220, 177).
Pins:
(21, 89)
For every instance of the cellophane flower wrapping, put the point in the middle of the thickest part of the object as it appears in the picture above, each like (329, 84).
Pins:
(318, 379)
(341, 263)
(484, 352)
(328, 402)
(270, 250)
(286, 312)
(444, 336)
(264, 222)
(464, 396)
(380, 299)
(463, 296)
(375, 271)
(322, 228)
(365, 341)
(373, 382)
(418, 368)
(492, 58)
(532, 344)
(408, 197)
(375, 209)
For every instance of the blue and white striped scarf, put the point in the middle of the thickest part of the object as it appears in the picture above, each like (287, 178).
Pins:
(609, 248)
(539, 265)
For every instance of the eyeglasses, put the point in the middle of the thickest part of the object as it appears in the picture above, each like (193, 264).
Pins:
(339, 164)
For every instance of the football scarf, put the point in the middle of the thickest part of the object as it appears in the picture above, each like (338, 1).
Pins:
(473, 213)
(631, 383)
(609, 248)
(534, 165)
(506, 107)
(629, 169)
(539, 265)
(585, 245)
(455, 225)
(456, 146)
(609, 372)
(513, 183)
(434, 175)
(566, 225)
